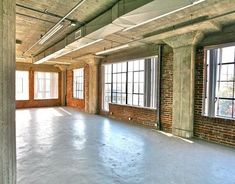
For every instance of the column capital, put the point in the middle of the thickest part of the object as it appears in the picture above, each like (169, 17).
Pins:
(187, 39)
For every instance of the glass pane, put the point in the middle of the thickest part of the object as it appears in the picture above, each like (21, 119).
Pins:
(124, 88)
(124, 67)
(130, 76)
(141, 76)
(119, 77)
(141, 64)
(141, 88)
(114, 68)
(114, 97)
(119, 98)
(228, 54)
(136, 65)
(114, 87)
(227, 72)
(114, 78)
(119, 67)
(136, 76)
(119, 87)
(225, 108)
(135, 99)
(130, 66)
(123, 99)
(226, 90)
(141, 100)
(136, 87)
(124, 77)
(130, 87)
(130, 99)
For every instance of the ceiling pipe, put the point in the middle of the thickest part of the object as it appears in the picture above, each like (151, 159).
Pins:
(57, 24)
(46, 12)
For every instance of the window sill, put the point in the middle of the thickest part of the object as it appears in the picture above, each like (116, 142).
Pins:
(219, 117)
(78, 98)
(46, 99)
(133, 106)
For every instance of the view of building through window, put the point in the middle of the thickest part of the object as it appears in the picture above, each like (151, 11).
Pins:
(46, 85)
(78, 83)
(219, 82)
(131, 83)
(22, 85)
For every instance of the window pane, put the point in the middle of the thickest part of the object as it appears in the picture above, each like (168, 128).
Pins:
(141, 88)
(136, 76)
(46, 85)
(130, 96)
(130, 66)
(135, 99)
(130, 88)
(141, 77)
(141, 100)
(227, 72)
(136, 65)
(136, 87)
(130, 76)
(78, 80)
(22, 85)
(142, 64)
(124, 67)
(226, 90)
(225, 108)
(228, 54)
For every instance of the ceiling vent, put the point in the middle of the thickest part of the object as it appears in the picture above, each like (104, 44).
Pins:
(78, 34)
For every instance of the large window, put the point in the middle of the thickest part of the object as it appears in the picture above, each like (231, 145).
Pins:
(78, 83)
(45, 85)
(22, 85)
(220, 82)
(132, 83)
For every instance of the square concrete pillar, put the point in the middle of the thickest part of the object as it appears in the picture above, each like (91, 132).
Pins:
(183, 82)
(7, 93)
(91, 100)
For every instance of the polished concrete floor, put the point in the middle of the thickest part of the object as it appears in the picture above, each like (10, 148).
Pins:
(63, 146)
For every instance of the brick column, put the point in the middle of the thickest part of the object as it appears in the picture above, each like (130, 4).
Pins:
(91, 100)
(183, 82)
(7, 93)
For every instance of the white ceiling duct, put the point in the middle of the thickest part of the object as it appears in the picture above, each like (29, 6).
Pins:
(125, 15)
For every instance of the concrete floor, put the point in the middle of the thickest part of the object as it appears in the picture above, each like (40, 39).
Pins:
(63, 146)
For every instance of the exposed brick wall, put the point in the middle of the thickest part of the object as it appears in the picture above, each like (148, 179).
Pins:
(167, 90)
(143, 116)
(72, 102)
(38, 103)
(212, 129)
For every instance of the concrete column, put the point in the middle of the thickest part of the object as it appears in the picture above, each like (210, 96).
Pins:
(183, 82)
(63, 84)
(7, 93)
(91, 100)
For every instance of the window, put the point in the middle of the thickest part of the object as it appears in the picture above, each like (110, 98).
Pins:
(78, 83)
(46, 85)
(22, 85)
(220, 82)
(107, 86)
(132, 83)
(119, 83)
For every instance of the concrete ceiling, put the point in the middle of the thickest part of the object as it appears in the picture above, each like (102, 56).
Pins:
(32, 21)
(209, 16)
